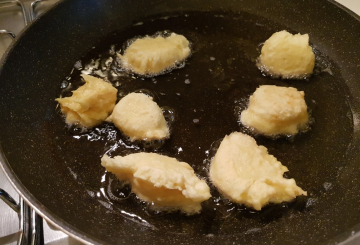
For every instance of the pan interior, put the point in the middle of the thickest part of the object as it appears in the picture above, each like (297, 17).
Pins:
(213, 87)
(222, 75)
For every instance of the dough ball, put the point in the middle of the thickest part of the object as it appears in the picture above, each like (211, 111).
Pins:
(140, 118)
(246, 174)
(276, 110)
(90, 104)
(160, 180)
(151, 56)
(287, 55)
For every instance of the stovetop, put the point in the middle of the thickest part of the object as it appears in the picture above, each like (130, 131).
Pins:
(14, 16)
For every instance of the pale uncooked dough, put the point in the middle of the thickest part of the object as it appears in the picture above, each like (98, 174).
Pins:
(276, 110)
(140, 118)
(246, 174)
(160, 180)
(90, 104)
(287, 55)
(151, 56)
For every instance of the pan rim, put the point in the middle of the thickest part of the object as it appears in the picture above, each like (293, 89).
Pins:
(346, 9)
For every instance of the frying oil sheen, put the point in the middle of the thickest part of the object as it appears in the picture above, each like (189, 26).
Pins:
(223, 74)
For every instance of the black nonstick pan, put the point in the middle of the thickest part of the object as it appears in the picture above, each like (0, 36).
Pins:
(57, 168)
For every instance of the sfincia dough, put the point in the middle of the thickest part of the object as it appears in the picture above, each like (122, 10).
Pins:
(151, 56)
(246, 174)
(90, 104)
(276, 110)
(140, 118)
(287, 55)
(160, 180)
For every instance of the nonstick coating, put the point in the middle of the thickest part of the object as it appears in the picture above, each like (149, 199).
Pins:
(59, 175)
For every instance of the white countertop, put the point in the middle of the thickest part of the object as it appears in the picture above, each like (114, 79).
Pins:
(353, 5)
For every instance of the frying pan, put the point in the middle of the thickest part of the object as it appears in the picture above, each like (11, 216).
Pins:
(57, 169)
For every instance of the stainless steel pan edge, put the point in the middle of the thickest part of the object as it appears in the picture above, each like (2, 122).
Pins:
(51, 219)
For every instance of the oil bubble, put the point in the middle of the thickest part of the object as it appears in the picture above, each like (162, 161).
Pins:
(327, 186)
(214, 147)
(153, 144)
(76, 129)
(210, 153)
(117, 191)
(218, 208)
(169, 114)
(78, 65)
(112, 50)
(311, 202)
(64, 84)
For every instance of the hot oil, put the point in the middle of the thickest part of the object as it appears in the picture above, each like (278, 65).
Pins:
(201, 103)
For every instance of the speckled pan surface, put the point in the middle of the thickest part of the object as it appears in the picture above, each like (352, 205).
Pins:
(59, 171)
